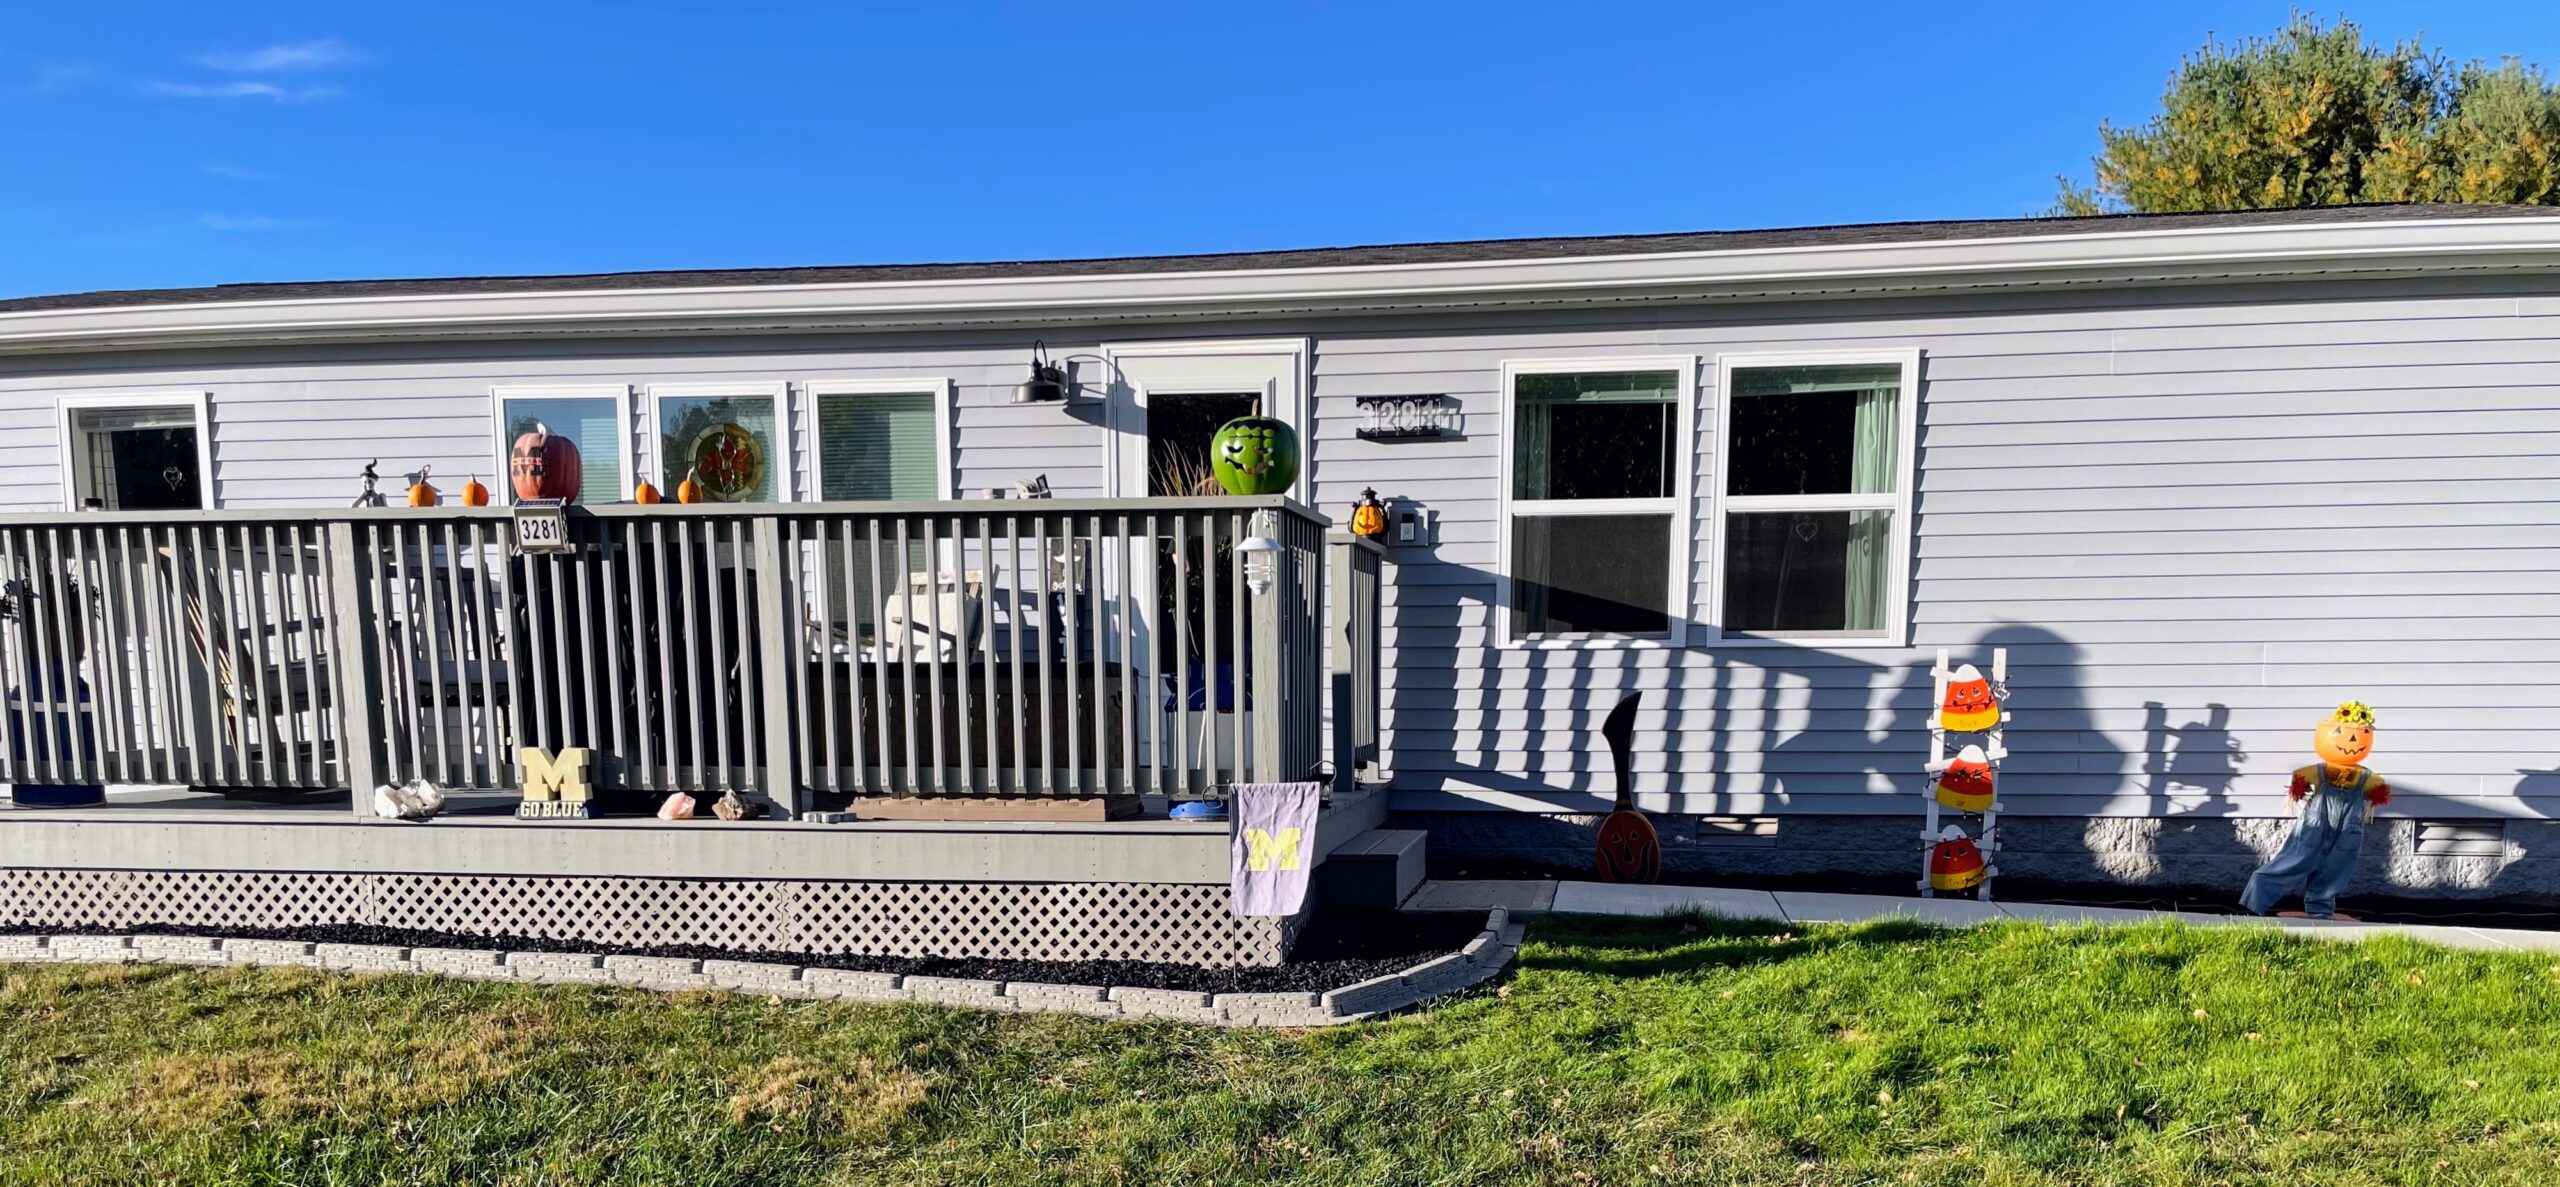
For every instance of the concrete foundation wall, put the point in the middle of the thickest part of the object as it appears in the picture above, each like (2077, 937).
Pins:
(2123, 851)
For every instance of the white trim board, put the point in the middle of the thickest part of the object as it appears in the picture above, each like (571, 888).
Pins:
(1224, 365)
(67, 451)
(504, 489)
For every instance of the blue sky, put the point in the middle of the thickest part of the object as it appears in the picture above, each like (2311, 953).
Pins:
(171, 144)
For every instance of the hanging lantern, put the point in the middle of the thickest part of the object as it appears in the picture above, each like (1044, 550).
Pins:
(1966, 783)
(1969, 707)
(1368, 516)
(1955, 863)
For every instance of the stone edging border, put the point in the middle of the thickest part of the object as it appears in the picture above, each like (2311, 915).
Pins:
(1482, 957)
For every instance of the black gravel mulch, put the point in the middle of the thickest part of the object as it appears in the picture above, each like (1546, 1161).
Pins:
(1337, 949)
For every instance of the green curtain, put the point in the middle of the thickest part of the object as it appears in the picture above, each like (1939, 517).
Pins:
(1870, 544)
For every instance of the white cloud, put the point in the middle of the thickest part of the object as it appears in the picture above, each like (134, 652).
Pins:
(250, 222)
(230, 172)
(327, 53)
(237, 90)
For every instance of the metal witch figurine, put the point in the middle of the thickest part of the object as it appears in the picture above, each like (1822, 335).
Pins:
(1630, 851)
(2338, 795)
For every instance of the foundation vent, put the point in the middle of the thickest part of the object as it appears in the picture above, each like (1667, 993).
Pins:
(2462, 838)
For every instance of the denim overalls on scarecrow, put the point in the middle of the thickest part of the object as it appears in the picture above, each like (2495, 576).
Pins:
(2321, 855)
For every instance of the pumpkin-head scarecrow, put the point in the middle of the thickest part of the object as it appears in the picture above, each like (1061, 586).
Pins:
(1966, 783)
(2337, 795)
(1955, 862)
(1969, 706)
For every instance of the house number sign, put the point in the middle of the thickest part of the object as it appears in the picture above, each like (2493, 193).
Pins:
(1400, 418)
(542, 526)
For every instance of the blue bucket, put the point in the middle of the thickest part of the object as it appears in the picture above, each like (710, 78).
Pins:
(56, 743)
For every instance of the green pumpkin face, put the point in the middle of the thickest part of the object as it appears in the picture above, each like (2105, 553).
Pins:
(1255, 455)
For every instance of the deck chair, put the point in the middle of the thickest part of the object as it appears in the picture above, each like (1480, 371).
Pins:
(954, 604)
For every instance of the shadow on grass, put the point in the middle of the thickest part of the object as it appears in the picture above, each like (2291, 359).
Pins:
(1687, 942)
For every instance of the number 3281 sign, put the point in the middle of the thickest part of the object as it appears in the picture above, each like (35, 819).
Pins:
(542, 525)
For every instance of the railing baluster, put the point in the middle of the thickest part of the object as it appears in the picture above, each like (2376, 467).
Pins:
(987, 646)
(721, 616)
(488, 772)
(1130, 609)
(884, 705)
(1016, 613)
(16, 667)
(694, 692)
(433, 637)
(1045, 703)
(852, 665)
(1099, 554)
(284, 718)
(92, 593)
(636, 647)
(941, 770)
(661, 620)
(750, 680)
(508, 648)
(583, 564)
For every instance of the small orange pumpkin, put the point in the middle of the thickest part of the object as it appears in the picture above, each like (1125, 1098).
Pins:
(474, 494)
(689, 490)
(421, 494)
(1369, 516)
(645, 493)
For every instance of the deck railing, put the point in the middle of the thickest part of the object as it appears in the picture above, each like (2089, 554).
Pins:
(807, 653)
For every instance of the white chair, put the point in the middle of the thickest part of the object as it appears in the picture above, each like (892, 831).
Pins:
(954, 604)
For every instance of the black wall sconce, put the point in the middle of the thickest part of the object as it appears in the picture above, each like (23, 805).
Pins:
(1050, 382)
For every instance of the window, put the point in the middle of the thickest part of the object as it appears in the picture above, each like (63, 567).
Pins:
(1593, 546)
(1815, 464)
(594, 417)
(136, 451)
(727, 437)
(880, 440)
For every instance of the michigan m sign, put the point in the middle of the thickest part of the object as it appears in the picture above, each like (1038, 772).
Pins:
(1272, 845)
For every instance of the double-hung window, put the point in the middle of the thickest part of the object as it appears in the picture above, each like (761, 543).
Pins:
(730, 439)
(881, 439)
(1813, 469)
(1595, 543)
(594, 416)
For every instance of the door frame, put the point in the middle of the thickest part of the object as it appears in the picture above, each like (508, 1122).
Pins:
(72, 452)
(1282, 359)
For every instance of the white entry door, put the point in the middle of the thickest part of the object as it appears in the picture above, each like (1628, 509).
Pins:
(1167, 399)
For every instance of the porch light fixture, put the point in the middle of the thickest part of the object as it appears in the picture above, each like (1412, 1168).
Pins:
(1261, 553)
(1049, 383)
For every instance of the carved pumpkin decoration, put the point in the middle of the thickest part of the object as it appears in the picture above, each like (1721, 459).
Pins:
(1969, 706)
(1955, 862)
(1966, 783)
(544, 465)
(2346, 739)
(645, 493)
(1629, 849)
(1368, 516)
(421, 494)
(1255, 455)
(474, 494)
(689, 490)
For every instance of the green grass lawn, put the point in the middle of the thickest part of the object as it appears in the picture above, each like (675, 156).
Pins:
(1618, 1052)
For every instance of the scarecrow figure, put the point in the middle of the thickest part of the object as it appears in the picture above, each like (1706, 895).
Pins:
(2338, 795)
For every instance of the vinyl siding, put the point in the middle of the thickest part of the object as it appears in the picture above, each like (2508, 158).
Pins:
(2239, 504)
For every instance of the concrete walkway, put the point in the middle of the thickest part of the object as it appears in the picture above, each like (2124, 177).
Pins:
(1523, 898)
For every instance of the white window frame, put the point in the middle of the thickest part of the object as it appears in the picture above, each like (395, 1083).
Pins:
(786, 479)
(619, 393)
(1677, 505)
(941, 389)
(72, 455)
(1897, 627)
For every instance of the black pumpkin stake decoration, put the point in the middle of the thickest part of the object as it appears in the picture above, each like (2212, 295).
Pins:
(1630, 851)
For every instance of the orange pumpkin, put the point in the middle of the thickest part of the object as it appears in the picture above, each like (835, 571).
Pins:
(689, 490)
(421, 494)
(1369, 516)
(544, 465)
(1966, 783)
(2346, 739)
(645, 493)
(474, 494)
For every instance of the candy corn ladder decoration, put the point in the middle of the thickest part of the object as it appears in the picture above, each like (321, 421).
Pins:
(1967, 704)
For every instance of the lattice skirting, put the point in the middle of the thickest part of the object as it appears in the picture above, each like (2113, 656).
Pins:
(1169, 923)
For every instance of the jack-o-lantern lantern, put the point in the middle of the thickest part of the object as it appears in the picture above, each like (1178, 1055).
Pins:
(2346, 739)
(421, 494)
(645, 493)
(1955, 863)
(1969, 706)
(1368, 516)
(544, 465)
(1966, 783)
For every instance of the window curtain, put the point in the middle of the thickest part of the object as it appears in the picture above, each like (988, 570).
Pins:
(1871, 532)
(873, 447)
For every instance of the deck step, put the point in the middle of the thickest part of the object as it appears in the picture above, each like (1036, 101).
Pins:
(1378, 868)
